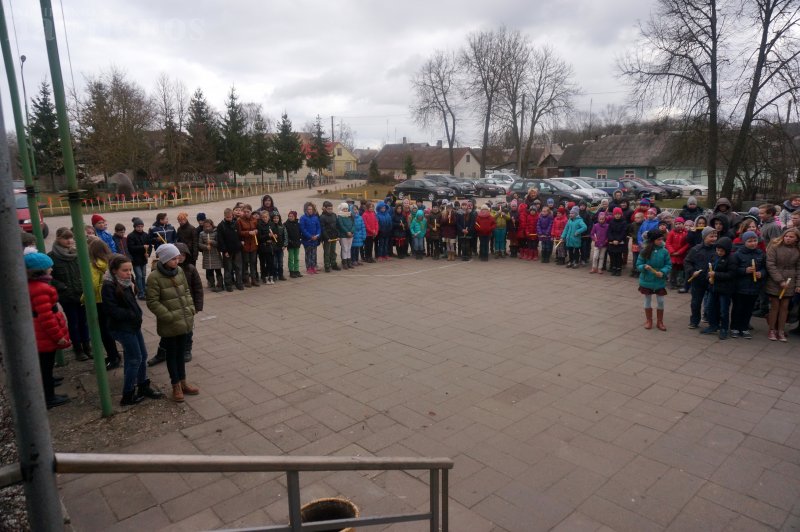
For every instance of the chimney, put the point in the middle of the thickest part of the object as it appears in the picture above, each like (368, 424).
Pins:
(438, 143)
(404, 140)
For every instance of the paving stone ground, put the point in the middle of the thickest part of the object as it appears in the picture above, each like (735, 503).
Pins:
(560, 411)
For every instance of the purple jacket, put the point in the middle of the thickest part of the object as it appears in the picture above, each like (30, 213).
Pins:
(544, 226)
(599, 234)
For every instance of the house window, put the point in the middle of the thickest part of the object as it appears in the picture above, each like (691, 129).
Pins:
(602, 174)
(348, 166)
(473, 174)
(468, 157)
(630, 174)
(461, 174)
(338, 152)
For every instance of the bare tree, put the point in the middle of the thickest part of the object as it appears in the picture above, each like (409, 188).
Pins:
(436, 97)
(677, 63)
(346, 135)
(771, 71)
(550, 91)
(511, 105)
(482, 58)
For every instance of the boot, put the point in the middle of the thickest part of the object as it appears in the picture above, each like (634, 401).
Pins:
(130, 398)
(146, 390)
(648, 323)
(87, 349)
(660, 320)
(177, 393)
(255, 282)
(80, 356)
(297, 274)
(160, 356)
(248, 284)
(188, 389)
(335, 267)
(187, 355)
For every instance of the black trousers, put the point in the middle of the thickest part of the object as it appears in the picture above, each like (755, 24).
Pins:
(743, 305)
(46, 362)
(574, 254)
(366, 249)
(616, 260)
(175, 347)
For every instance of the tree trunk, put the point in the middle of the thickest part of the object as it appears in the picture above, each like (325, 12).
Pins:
(485, 147)
(713, 115)
(522, 171)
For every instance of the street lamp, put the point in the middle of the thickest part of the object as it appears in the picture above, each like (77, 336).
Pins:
(22, 59)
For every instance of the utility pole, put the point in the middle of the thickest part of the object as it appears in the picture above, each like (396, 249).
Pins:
(333, 134)
(520, 171)
(75, 210)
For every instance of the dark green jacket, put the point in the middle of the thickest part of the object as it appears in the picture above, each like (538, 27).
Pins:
(67, 279)
(168, 297)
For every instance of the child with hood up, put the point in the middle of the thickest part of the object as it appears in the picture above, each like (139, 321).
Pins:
(384, 218)
(678, 247)
(293, 241)
(449, 232)
(399, 231)
(544, 228)
(617, 240)
(310, 230)
(531, 232)
(654, 264)
(359, 236)
(419, 227)
(599, 236)
(722, 284)
(484, 228)
(650, 223)
(694, 236)
(559, 223)
(573, 236)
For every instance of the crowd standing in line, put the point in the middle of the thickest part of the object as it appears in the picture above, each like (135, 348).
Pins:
(735, 267)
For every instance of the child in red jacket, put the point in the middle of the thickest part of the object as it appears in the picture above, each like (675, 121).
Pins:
(532, 237)
(522, 232)
(484, 228)
(559, 223)
(678, 247)
(49, 323)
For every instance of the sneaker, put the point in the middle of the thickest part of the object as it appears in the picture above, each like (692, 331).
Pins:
(693, 326)
(782, 336)
(746, 335)
(682, 290)
(57, 400)
(709, 330)
(735, 333)
(773, 335)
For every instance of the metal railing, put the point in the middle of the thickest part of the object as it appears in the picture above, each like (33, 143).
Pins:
(437, 514)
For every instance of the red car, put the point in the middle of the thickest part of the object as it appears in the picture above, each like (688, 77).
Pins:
(24, 215)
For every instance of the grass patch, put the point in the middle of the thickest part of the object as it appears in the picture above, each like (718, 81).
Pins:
(366, 191)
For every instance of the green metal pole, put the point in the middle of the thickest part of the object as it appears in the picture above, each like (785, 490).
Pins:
(75, 210)
(19, 125)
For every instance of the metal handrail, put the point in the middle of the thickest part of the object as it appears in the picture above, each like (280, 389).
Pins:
(73, 463)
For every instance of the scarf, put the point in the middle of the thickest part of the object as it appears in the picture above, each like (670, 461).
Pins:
(166, 271)
(125, 283)
(63, 253)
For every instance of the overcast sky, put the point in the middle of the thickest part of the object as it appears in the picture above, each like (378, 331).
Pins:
(352, 59)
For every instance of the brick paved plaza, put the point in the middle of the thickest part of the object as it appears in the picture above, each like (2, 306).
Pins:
(559, 410)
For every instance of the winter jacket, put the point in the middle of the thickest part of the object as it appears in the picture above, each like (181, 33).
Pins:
(136, 247)
(633, 234)
(586, 216)
(195, 284)
(346, 226)
(694, 236)
(98, 271)
(329, 229)
(531, 227)
(49, 324)
(228, 237)
(677, 246)
(484, 223)
(419, 225)
(271, 236)
(573, 232)
(293, 235)
(687, 213)
(659, 261)
(434, 225)
(544, 226)
(121, 309)
(359, 230)
(169, 298)
(121, 244)
(370, 219)
(786, 213)
(559, 224)
(617, 232)
(244, 226)
(310, 227)
(212, 260)
(160, 233)
(106, 237)
(697, 260)
(66, 278)
(743, 259)
(724, 269)
(399, 226)
(647, 225)
(732, 217)
(726, 228)
(522, 223)
(272, 210)
(770, 230)
(783, 262)
(599, 234)
(187, 233)
(465, 221)
(448, 221)
(501, 219)
(384, 219)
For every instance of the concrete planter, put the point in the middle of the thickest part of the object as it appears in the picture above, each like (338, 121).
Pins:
(328, 509)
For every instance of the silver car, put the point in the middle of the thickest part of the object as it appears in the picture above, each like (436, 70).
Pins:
(583, 189)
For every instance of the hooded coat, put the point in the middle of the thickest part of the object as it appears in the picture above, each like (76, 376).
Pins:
(293, 235)
(783, 262)
(310, 227)
(122, 311)
(694, 236)
(559, 223)
(419, 225)
(212, 260)
(273, 209)
(384, 218)
(726, 228)
(370, 219)
(691, 211)
(573, 231)
(136, 242)
(169, 298)
(743, 259)
(544, 227)
(697, 260)
(731, 215)
(786, 212)
(328, 226)
(617, 232)
(724, 269)
(659, 261)
(599, 234)
(677, 246)
(647, 225)
(484, 223)
(49, 324)
(228, 237)
(359, 229)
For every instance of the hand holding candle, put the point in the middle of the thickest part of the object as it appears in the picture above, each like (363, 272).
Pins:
(753, 265)
(783, 290)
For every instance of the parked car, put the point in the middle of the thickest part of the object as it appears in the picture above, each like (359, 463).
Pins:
(504, 178)
(671, 191)
(464, 188)
(654, 190)
(560, 192)
(582, 188)
(24, 215)
(487, 187)
(502, 185)
(631, 190)
(354, 174)
(688, 188)
(19, 186)
(424, 189)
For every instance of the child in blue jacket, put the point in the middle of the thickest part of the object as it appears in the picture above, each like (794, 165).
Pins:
(654, 265)
(359, 236)
(571, 236)
(310, 229)
(751, 270)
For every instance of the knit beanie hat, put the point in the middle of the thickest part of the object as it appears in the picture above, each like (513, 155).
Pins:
(748, 235)
(561, 210)
(691, 201)
(201, 217)
(753, 212)
(652, 211)
(575, 210)
(137, 221)
(644, 202)
(295, 214)
(167, 252)
(97, 218)
(654, 234)
(679, 220)
(707, 231)
(514, 204)
(550, 202)
(37, 261)
(616, 211)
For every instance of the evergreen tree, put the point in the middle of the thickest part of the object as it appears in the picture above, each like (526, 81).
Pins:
(408, 166)
(201, 153)
(287, 150)
(235, 147)
(44, 135)
(374, 172)
(318, 155)
(260, 146)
